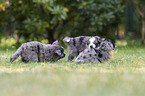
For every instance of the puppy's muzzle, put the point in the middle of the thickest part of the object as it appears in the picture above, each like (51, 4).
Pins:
(91, 46)
(63, 55)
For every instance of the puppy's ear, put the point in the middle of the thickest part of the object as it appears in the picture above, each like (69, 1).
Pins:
(100, 40)
(67, 39)
(114, 46)
(55, 42)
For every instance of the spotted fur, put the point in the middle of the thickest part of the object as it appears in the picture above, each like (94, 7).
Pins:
(76, 45)
(36, 51)
(100, 53)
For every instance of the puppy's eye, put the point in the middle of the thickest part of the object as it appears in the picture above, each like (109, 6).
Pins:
(96, 44)
(99, 42)
(58, 52)
(103, 45)
(62, 50)
(88, 43)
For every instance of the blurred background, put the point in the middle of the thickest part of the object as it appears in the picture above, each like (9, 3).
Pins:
(21, 21)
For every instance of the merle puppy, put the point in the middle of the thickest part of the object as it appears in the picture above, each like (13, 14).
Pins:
(76, 45)
(98, 50)
(36, 51)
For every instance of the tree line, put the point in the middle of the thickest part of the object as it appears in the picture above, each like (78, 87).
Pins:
(55, 19)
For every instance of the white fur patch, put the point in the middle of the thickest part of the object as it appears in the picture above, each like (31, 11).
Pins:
(92, 39)
(67, 40)
(91, 42)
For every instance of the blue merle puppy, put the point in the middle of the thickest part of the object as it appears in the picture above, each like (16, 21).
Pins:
(76, 45)
(98, 50)
(36, 51)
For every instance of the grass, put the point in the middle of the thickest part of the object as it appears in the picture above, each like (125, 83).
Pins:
(123, 75)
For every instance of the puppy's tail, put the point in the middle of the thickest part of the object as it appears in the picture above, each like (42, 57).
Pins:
(67, 39)
(16, 54)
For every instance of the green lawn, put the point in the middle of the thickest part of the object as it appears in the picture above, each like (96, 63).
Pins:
(123, 75)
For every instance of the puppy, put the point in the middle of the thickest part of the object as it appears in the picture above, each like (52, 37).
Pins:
(101, 43)
(76, 45)
(36, 51)
(98, 50)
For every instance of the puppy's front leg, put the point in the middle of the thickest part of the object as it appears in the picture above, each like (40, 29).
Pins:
(71, 56)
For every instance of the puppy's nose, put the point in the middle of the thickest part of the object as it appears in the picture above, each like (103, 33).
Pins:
(91, 46)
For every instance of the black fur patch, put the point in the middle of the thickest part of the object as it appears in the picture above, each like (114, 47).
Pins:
(84, 57)
(74, 42)
(100, 55)
(71, 57)
(99, 60)
(49, 51)
(96, 44)
(31, 46)
(38, 53)
(90, 55)
(81, 40)
(96, 51)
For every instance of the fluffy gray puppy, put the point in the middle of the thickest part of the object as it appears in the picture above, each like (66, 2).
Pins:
(36, 51)
(76, 45)
(98, 50)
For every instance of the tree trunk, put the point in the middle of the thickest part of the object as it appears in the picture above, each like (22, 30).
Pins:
(129, 27)
(9, 29)
(143, 30)
(50, 35)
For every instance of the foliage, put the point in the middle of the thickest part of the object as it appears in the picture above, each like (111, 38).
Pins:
(30, 18)
(7, 43)
(97, 17)
(52, 19)
(11, 42)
